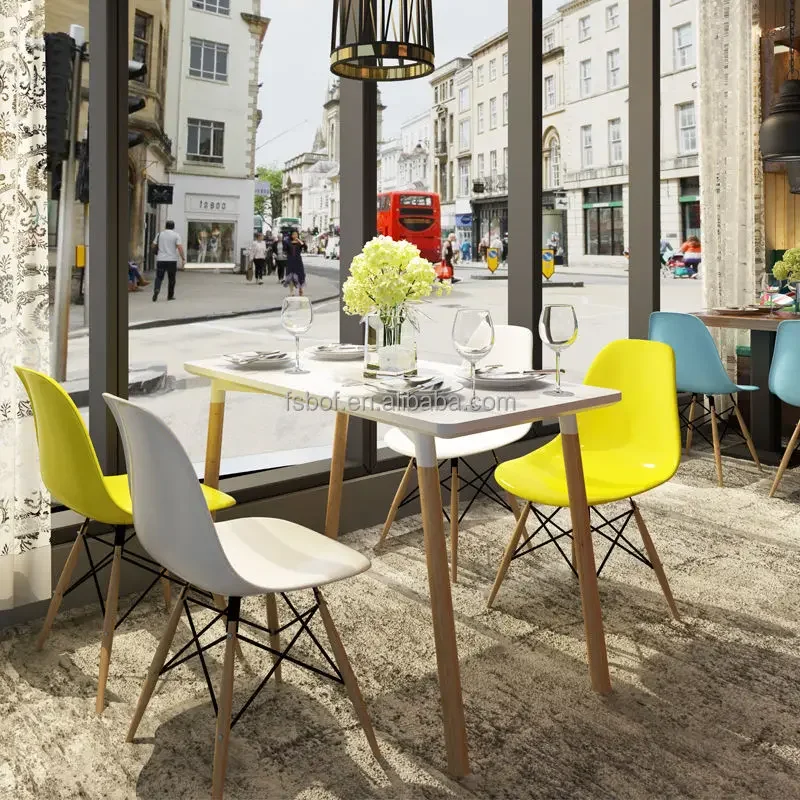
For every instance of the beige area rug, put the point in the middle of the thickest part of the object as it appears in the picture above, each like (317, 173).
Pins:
(705, 708)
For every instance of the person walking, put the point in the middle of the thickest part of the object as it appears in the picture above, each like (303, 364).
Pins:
(168, 248)
(692, 255)
(466, 251)
(295, 277)
(449, 257)
(258, 255)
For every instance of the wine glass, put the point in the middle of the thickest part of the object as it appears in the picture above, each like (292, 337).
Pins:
(473, 337)
(558, 329)
(297, 315)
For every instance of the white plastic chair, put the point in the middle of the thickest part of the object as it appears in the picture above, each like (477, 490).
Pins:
(513, 349)
(236, 559)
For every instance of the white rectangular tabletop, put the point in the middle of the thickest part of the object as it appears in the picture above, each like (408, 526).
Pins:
(334, 384)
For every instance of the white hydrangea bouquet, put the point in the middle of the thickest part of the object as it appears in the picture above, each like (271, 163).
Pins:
(386, 280)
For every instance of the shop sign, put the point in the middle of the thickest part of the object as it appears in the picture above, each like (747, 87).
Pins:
(548, 263)
(212, 204)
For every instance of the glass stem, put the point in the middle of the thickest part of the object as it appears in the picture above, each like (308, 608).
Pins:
(297, 351)
(472, 375)
(558, 371)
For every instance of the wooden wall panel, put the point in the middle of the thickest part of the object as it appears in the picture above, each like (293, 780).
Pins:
(782, 213)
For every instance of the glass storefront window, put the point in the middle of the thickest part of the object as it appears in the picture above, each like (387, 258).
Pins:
(210, 242)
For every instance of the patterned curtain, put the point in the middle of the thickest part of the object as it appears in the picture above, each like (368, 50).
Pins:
(731, 181)
(24, 309)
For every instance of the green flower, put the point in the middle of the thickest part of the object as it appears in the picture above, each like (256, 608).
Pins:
(788, 268)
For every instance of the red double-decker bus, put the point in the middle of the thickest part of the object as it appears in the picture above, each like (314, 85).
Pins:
(415, 217)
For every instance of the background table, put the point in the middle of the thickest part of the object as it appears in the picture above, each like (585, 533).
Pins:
(328, 381)
(765, 407)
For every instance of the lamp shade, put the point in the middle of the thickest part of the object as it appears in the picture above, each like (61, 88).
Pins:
(382, 40)
(780, 133)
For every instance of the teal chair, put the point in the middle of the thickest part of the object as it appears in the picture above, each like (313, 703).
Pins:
(700, 372)
(784, 381)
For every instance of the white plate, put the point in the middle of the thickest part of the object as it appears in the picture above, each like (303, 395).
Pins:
(263, 362)
(499, 380)
(449, 386)
(333, 352)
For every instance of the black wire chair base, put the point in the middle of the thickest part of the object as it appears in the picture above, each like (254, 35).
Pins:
(109, 540)
(301, 619)
(479, 481)
(555, 532)
(727, 418)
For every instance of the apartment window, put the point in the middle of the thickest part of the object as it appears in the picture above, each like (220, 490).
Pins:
(584, 28)
(481, 160)
(550, 92)
(452, 137)
(687, 128)
(480, 118)
(548, 42)
(612, 62)
(683, 46)
(615, 141)
(587, 156)
(142, 36)
(612, 16)
(463, 134)
(505, 108)
(505, 63)
(586, 77)
(206, 141)
(603, 222)
(479, 75)
(505, 161)
(493, 113)
(493, 163)
(208, 60)
(463, 98)
(214, 6)
(493, 70)
(552, 164)
(463, 178)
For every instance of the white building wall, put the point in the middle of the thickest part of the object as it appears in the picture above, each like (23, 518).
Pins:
(212, 197)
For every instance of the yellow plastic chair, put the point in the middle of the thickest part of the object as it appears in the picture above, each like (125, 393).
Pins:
(72, 474)
(627, 449)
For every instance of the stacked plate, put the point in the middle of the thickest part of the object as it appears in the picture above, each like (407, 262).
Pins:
(259, 359)
(500, 379)
(336, 352)
(419, 390)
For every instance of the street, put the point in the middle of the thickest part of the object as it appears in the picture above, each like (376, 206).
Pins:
(259, 425)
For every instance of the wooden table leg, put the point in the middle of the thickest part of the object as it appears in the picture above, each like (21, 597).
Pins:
(216, 418)
(337, 475)
(584, 554)
(444, 630)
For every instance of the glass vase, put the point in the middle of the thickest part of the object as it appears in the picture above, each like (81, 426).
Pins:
(390, 344)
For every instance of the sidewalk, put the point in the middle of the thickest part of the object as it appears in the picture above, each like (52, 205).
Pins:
(202, 296)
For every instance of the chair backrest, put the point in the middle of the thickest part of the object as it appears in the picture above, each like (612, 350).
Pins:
(784, 373)
(698, 365)
(513, 347)
(67, 459)
(170, 514)
(646, 419)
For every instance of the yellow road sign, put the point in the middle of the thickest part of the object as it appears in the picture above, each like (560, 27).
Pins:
(492, 259)
(548, 263)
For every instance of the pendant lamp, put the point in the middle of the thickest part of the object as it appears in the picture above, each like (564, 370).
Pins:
(780, 132)
(382, 40)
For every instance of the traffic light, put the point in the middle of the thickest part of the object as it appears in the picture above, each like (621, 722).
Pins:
(136, 70)
(59, 53)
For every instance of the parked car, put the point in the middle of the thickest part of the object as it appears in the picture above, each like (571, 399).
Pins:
(332, 250)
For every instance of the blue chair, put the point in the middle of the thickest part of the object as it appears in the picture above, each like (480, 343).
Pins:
(700, 372)
(784, 381)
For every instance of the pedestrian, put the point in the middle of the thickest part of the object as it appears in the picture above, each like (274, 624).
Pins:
(466, 255)
(483, 247)
(168, 248)
(258, 255)
(271, 264)
(282, 251)
(692, 255)
(448, 255)
(295, 277)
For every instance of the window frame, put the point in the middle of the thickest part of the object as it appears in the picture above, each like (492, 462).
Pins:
(680, 50)
(464, 142)
(549, 106)
(612, 16)
(215, 127)
(462, 93)
(480, 75)
(585, 78)
(615, 143)
(464, 185)
(585, 28)
(505, 109)
(143, 41)
(493, 113)
(587, 147)
(548, 41)
(681, 128)
(505, 63)
(212, 7)
(217, 48)
(613, 70)
(481, 122)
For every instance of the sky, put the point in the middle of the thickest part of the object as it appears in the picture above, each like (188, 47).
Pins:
(295, 69)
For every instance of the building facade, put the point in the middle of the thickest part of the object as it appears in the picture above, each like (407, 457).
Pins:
(212, 116)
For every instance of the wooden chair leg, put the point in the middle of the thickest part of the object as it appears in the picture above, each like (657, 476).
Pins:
(166, 586)
(225, 701)
(274, 638)
(402, 490)
(690, 427)
(787, 456)
(350, 682)
(514, 503)
(652, 554)
(715, 440)
(454, 520)
(62, 585)
(110, 621)
(159, 659)
(746, 433)
(219, 602)
(509, 553)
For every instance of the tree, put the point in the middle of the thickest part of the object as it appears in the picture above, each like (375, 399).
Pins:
(274, 177)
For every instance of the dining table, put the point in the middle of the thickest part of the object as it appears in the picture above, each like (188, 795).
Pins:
(765, 407)
(340, 387)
